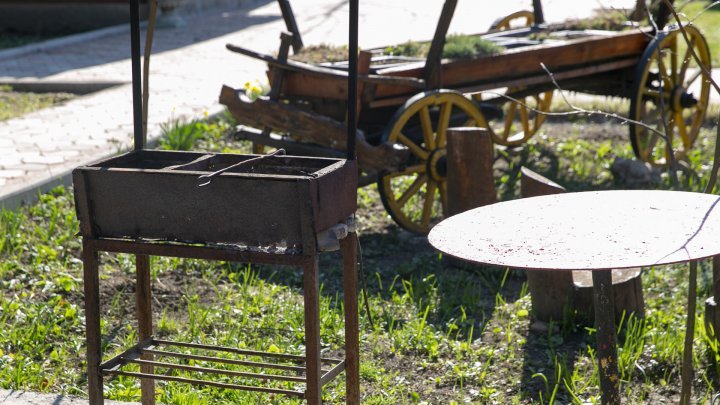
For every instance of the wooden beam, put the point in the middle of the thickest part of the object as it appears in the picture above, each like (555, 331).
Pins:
(291, 24)
(432, 64)
(470, 181)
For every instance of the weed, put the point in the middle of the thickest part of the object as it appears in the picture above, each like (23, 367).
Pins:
(457, 46)
(14, 103)
(179, 134)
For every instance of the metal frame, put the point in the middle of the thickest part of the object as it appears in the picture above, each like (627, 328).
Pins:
(314, 376)
(143, 354)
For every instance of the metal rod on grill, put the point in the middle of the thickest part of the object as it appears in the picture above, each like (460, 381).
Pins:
(139, 136)
(352, 80)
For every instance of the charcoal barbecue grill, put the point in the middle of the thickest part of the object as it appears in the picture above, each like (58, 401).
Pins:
(244, 208)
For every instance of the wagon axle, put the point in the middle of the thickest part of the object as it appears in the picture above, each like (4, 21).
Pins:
(682, 99)
(436, 165)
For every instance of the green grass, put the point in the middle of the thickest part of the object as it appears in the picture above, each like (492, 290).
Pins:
(12, 40)
(14, 104)
(457, 46)
(441, 332)
(708, 22)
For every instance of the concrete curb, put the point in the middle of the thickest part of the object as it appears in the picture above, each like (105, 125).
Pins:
(65, 41)
(31, 192)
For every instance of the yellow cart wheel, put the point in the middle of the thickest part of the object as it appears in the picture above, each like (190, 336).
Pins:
(521, 118)
(513, 20)
(416, 195)
(669, 86)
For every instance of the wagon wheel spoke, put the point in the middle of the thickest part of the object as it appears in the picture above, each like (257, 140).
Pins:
(674, 69)
(665, 77)
(443, 123)
(689, 82)
(427, 128)
(442, 186)
(682, 130)
(509, 118)
(524, 120)
(686, 62)
(408, 171)
(651, 93)
(416, 149)
(651, 142)
(412, 190)
(428, 203)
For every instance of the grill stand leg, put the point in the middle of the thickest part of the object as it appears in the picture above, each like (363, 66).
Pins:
(143, 298)
(352, 333)
(606, 337)
(91, 282)
(311, 286)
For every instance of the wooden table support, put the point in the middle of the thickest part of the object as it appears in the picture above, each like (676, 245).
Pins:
(606, 336)
(470, 181)
(315, 376)
(586, 231)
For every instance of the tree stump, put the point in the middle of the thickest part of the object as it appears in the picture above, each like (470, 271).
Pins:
(552, 292)
(627, 292)
(712, 313)
(470, 182)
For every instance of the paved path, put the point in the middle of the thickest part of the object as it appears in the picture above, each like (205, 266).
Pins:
(189, 66)
(12, 397)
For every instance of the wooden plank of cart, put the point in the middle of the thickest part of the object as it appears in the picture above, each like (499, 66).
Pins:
(406, 104)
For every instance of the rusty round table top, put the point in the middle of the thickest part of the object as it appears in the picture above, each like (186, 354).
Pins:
(586, 230)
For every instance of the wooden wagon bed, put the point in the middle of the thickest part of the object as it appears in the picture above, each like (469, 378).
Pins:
(586, 53)
(407, 104)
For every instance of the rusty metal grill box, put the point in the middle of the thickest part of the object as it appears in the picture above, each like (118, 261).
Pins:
(274, 201)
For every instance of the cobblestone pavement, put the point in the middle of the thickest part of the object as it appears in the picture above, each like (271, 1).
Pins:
(12, 397)
(188, 68)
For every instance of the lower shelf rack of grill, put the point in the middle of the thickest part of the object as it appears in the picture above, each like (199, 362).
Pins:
(286, 371)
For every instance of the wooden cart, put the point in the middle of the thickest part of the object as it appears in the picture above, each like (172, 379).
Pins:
(407, 104)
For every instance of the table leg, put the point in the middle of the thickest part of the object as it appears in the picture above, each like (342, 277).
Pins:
(687, 366)
(606, 336)
(311, 287)
(352, 333)
(143, 298)
(91, 280)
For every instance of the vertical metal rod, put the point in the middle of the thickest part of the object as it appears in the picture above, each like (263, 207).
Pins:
(686, 375)
(606, 337)
(91, 281)
(352, 79)
(538, 12)
(139, 135)
(143, 301)
(311, 288)
(352, 332)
